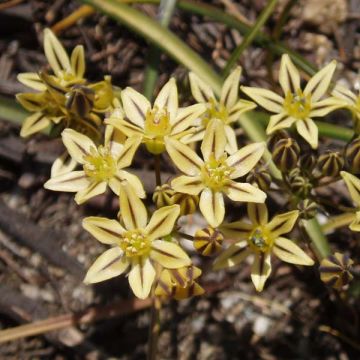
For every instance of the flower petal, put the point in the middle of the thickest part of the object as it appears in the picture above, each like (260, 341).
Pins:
(114, 139)
(230, 88)
(73, 181)
(34, 123)
(260, 270)
(78, 61)
(289, 76)
(318, 85)
(116, 182)
(125, 126)
(214, 141)
(246, 158)
(309, 131)
(77, 144)
(324, 107)
(62, 165)
(108, 265)
(265, 98)
(258, 213)
(237, 230)
(126, 155)
(135, 106)
(353, 185)
(244, 192)
(32, 101)
(355, 224)
(141, 277)
(32, 80)
(231, 142)
(279, 121)
(105, 230)
(55, 53)
(212, 207)
(132, 209)
(168, 99)
(288, 251)
(201, 92)
(93, 189)
(343, 93)
(233, 255)
(241, 107)
(183, 157)
(186, 117)
(187, 184)
(162, 222)
(169, 255)
(282, 223)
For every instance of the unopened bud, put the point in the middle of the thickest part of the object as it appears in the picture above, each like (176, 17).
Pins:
(286, 154)
(208, 241)
(307, 208)
(163, 196)
(259, 177)
(352, 156)
(188, 203)
(330, 163)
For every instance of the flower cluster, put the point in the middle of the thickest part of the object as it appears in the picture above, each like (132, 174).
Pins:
(102, 134)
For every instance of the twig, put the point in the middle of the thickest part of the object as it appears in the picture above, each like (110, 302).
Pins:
(10, 4)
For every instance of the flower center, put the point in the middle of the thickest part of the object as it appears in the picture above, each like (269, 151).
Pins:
(134, 243)
(216, 173)
(215, 110)
(100, 165)
(298, 105)
(260, 239)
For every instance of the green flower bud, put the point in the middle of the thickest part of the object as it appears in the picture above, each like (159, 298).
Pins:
(330, 163)
(286, 154)
(259, 177)
(208, 241)
(307, 208)
(352, 156)
(163, 196)
(275, 137)
(188, 203)
(335, 270)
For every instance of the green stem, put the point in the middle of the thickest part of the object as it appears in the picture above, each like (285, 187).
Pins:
(250, 36)
(317, 237)
(166, 10)
(338, 221)
(12, 111)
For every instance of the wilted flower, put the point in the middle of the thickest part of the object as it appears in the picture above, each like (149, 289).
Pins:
(215, 174)
(227, 109)
(102, 166)
(297, 106)
(353, 185)
(261, 237)
(179, 283)
(137, 243)
(156, 123)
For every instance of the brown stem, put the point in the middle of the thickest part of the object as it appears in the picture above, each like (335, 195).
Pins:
(157, 170)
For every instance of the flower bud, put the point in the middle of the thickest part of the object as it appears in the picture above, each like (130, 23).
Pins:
(330, 163)
(208, 241)
(299, 184)
(352, 156)
(307, 162)
(188, 203)
(307, 208)
(80, 100)
(163, 196)
(260, 178)
(335, 270)
(286, 154)
(275, 137)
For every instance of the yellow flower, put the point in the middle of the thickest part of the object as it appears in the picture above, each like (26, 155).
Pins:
(102, 166)
(179, 283)
(137, 243)
(227, 109)
(155, 123)
(214, 175)
(297, 106)
(260, 238)
(353, 185)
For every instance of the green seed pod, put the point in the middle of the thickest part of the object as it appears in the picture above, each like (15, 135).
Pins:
(335, 270)
(307, 162)
(163, 196)
(259, 177)
(299, 184)
(286, 154)
(330, 163)
(208, 241)
(352, 156)
(188, 203)
(307, 209)
(275, 137)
